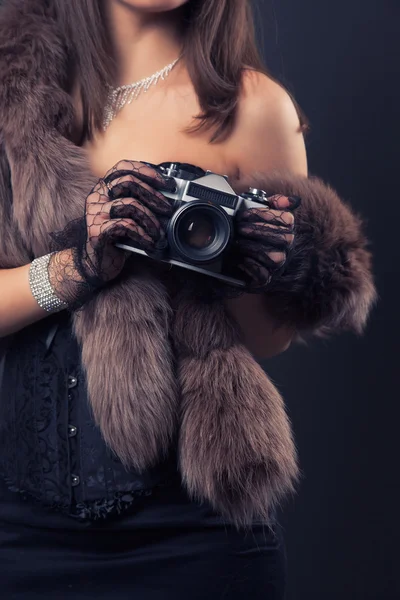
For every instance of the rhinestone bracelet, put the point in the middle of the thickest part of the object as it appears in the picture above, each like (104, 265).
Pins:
(40, 285)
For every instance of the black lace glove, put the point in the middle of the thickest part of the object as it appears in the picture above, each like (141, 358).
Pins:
(125, 203)
(326, 284)
(264, 237)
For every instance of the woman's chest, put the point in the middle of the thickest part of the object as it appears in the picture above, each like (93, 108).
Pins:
(158, 137)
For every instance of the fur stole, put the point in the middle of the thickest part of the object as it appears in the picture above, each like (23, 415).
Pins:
(155, 372)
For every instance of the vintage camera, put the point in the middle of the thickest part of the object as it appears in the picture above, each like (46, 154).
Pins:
(201, 228)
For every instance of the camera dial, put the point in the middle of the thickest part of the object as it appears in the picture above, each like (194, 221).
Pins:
(181, 170)
(256, 196)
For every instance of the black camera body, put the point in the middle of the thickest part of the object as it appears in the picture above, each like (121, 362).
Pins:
(201, 228)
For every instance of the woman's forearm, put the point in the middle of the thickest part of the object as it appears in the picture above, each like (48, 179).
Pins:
(263, 335)
(18, 307)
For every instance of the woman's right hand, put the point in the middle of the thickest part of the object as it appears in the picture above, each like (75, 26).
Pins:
(125, 203)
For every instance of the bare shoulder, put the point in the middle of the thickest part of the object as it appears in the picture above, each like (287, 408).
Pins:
(267, 134)
(263, 101)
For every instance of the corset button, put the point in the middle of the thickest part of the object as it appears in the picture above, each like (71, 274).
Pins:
(72, 381)
(75, 480)
(72, 431)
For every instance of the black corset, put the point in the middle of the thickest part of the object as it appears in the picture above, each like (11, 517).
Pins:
(50, 448)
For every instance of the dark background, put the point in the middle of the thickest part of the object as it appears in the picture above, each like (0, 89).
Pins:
(341, 60)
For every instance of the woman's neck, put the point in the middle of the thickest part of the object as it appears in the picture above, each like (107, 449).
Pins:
(144, 43)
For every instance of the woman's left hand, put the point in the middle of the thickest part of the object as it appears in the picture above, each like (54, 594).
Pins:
(264, 237)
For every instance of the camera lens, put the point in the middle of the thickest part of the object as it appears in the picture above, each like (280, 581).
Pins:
(199, 232)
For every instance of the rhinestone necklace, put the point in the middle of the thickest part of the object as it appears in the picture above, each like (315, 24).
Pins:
(125, 94)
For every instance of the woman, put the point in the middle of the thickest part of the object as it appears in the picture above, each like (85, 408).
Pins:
(142, 448)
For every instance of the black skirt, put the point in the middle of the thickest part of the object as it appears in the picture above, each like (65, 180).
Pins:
(165, 548)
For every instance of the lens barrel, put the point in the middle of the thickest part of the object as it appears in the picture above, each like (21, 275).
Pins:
(199, 232)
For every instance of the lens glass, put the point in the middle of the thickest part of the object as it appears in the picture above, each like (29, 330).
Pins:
(197, 230)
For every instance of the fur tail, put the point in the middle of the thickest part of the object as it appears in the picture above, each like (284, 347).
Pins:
(236, 449)
(133, 395)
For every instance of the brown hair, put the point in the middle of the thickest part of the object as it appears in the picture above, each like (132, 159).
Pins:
(219, 42)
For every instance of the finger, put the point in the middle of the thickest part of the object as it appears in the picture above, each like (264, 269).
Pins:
(282, 202)
(129, 185)
(144, 172)
(124, 205)
(115, 230)
(258, 276)
(125, 166)
(270, 257)
(265, 233)
(130, 208)
(138, 213)
(122, 187)
(119, 186)
(282, 218)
